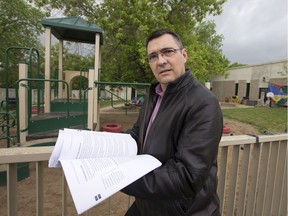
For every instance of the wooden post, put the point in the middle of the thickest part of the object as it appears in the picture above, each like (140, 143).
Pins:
(60, 70)
(96, 117)
(23, 101)
(47, 93)
(90, 103)
(93, 104)
(12, 189)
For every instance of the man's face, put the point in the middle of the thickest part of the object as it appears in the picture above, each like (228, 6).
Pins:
(166, 68)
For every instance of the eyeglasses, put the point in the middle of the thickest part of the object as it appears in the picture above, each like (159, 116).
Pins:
(167, 52)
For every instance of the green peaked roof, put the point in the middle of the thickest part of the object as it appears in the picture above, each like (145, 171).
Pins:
(74, 29)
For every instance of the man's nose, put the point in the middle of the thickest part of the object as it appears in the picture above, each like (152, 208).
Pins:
(161, 59)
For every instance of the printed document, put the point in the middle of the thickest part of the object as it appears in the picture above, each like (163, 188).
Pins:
(98, 164)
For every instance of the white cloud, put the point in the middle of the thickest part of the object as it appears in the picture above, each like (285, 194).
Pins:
(255, 31)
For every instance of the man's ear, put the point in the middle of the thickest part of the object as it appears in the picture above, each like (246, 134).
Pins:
(185, 54)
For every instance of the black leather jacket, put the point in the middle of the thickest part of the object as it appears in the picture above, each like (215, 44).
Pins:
(184, 136)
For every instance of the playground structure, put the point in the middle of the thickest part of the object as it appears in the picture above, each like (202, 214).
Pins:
(62, 110)
(78, 30)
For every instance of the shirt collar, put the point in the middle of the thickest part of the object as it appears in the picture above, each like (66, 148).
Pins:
(158, 90)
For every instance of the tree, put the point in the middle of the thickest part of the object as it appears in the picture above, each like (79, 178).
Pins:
(71, 60)
(126, 23)
(236, 64)
(19, 26)
(206, 57)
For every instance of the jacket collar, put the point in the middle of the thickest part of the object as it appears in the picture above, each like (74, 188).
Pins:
(179, 83)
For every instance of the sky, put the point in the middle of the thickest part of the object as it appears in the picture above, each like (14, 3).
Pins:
(255, 31)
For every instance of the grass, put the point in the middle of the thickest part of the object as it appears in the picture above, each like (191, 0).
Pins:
(272, 120)
(105, 103)
(267, 119)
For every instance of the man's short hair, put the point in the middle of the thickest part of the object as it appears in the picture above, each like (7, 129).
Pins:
(160, 32)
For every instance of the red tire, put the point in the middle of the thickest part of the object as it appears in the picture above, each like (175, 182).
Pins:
(111, 127)
(226, 129)
(34, 110)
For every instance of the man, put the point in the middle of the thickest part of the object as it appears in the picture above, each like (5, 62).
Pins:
(180, 123)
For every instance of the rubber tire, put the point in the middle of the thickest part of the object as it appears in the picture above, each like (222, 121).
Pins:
(226, 129)
(111, 127)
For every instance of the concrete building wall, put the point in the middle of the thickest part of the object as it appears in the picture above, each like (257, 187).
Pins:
(218, 90)
(263, 72)
(242, 88)
(254, 90)
(257, 77)
(222, 89)
(229, 89)
(279, 81)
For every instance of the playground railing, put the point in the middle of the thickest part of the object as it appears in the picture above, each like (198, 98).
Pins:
(20, 83)
(126, 84)
(7, 121)
(252, 178)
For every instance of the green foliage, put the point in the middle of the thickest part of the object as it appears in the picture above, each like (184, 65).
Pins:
(19, 26)
(236, 64)
(273, 120)
(206, 56)
(71, 61)
(126, 24)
